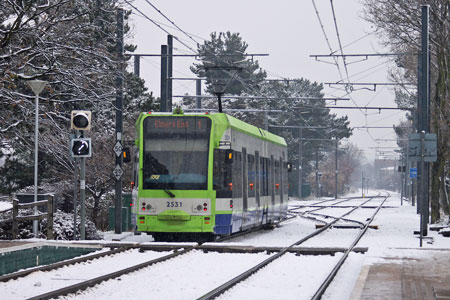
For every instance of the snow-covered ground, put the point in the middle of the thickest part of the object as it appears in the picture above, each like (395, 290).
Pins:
(4, 206)
(291, 277)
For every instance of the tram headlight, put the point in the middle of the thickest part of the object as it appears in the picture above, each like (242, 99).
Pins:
(148, 207)
(199, 208)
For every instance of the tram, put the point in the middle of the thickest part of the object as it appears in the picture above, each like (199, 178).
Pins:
(199, 176)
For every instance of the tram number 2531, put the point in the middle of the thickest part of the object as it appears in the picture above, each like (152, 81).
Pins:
(174, 204)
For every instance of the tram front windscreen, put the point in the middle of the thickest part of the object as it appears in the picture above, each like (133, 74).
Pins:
(175, 154)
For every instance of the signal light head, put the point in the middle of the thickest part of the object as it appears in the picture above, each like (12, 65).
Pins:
(80, 120)
(126, 155)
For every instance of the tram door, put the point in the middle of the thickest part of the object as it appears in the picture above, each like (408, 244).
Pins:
(272, 180)
(244, 188)
(258, 189)
(244, 179)
(280, 180)
(257, 180)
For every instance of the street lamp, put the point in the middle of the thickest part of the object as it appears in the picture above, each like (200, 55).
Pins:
(37, 86)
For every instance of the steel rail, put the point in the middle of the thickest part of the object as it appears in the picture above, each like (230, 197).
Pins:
(328, 200)
(343, 219)
(346, 206)
(61, 264)
(302, 214)
(321, 290)
(227, 285)
(296, 207)
(94, 281)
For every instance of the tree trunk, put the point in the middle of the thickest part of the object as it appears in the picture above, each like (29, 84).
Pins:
(436, 172)
(444, 196)
(95, 209)
(440, 126)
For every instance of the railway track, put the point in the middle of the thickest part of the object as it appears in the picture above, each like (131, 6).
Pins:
(228, 285)
(179, 250)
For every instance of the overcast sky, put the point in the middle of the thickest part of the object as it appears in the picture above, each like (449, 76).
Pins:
(289, 31)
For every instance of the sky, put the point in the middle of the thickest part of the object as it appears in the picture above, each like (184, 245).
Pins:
(289, 31)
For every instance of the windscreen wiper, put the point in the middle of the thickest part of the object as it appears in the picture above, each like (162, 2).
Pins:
(172, 195)
(165, 188)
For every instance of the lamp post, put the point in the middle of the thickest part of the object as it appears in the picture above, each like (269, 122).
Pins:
(37, 86)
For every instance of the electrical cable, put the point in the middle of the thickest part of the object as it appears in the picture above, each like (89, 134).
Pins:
(331, 51)
(159, 26)
(167, 25)
(339, 39)
(326, 39)
(355, 41)
(184, 32)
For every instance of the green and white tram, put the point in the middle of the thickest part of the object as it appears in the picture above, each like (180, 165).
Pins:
(199, 176)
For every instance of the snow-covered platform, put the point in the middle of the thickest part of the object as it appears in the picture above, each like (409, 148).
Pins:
(9, 244)
(406, 274)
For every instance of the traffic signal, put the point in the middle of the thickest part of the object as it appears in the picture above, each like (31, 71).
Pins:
(81, 147)
(126, 155)
(80, 120)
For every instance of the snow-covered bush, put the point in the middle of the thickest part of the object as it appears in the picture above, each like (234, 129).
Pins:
(62, 227)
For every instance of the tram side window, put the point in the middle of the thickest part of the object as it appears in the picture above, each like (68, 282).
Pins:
(237, 175)
(221, 175)
(251, 175)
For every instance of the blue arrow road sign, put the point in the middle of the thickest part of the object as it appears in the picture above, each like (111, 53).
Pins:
(412, 172)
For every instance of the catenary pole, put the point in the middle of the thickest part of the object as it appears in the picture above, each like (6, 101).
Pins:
(300, 147)
(198, 92)
(424, 87)
(317, 172)
(336, 170)
(169, 71)
(163, 104)
(119, 97)
(401, 177)
(300, 161)
(137, 65)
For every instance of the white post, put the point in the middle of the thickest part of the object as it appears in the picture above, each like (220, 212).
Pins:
(36, 137)
(37, 86)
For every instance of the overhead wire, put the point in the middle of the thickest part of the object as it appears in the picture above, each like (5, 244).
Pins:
(339, 39)
(386, 117)
(348, 93)
(166, 25)
(233, 76)
(173, 23)
(159, 26)
(244, 84)
(326, 38)
(353, 42)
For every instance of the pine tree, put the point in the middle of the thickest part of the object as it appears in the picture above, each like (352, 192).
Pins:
(225, 66)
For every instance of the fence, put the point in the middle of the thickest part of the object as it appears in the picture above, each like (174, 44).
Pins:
(16, 218)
